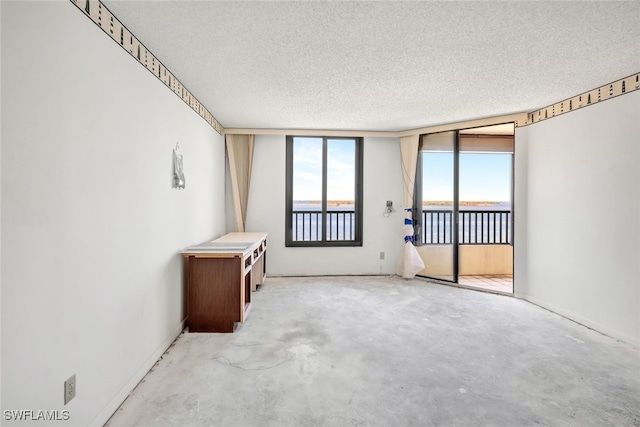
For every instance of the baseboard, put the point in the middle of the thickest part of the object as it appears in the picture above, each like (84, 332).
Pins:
(603, 329)
(135, 379)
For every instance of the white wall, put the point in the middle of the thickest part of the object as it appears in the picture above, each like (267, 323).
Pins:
(382, 181)
(91, 227)
(472, 260)
(578, 216)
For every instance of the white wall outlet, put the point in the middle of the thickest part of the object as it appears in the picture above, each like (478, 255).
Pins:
(69, 388)
(381, 255)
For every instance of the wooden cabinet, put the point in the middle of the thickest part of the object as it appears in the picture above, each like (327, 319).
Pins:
(220, 276)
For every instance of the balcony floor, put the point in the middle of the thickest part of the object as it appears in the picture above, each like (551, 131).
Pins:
(499, 282)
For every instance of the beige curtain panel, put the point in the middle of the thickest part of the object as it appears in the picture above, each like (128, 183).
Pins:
(240, 155)
(410, 262)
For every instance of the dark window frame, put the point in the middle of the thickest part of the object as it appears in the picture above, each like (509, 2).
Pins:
(357, 241)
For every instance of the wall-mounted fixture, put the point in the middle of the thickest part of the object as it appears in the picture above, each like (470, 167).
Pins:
(389, 209)
(178, 169)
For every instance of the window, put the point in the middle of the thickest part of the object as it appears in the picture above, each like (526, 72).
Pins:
(324, 191)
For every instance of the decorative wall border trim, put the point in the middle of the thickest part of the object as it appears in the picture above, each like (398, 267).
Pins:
(103, 18)
(594, 96)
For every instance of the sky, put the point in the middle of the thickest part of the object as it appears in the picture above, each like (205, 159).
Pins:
(483, 177)
(307, 169)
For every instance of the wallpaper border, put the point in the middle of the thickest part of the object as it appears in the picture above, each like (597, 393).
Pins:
(610, 90)
(103, 18)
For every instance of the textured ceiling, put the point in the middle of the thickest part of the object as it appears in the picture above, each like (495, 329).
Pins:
(384, 65)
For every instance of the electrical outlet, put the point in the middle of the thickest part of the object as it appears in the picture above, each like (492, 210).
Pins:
(69, 388)
(382, 255)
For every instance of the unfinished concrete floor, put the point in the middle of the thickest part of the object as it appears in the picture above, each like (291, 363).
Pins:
(383, 351)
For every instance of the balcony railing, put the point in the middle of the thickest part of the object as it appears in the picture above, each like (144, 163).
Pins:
(474, 227)
(477, 227)
(307, 225)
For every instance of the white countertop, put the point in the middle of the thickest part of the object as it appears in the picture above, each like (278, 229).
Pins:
(232, 243)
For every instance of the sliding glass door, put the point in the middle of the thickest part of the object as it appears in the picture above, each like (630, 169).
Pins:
(438, 201)
(463, 209)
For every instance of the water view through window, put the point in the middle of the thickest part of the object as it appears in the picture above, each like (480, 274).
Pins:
(484, 198)
(324, 189)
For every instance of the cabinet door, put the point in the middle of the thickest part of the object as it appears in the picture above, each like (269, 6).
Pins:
(214, 294)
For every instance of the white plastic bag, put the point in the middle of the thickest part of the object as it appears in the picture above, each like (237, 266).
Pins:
(410, 263)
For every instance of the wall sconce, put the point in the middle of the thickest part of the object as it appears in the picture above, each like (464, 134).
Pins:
(178, 169)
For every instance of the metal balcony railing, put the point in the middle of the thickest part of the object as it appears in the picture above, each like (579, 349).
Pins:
(307, 225)
(475, 227)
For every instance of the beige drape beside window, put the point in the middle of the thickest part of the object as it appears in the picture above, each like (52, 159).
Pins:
(240, 154)
(410, 261)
